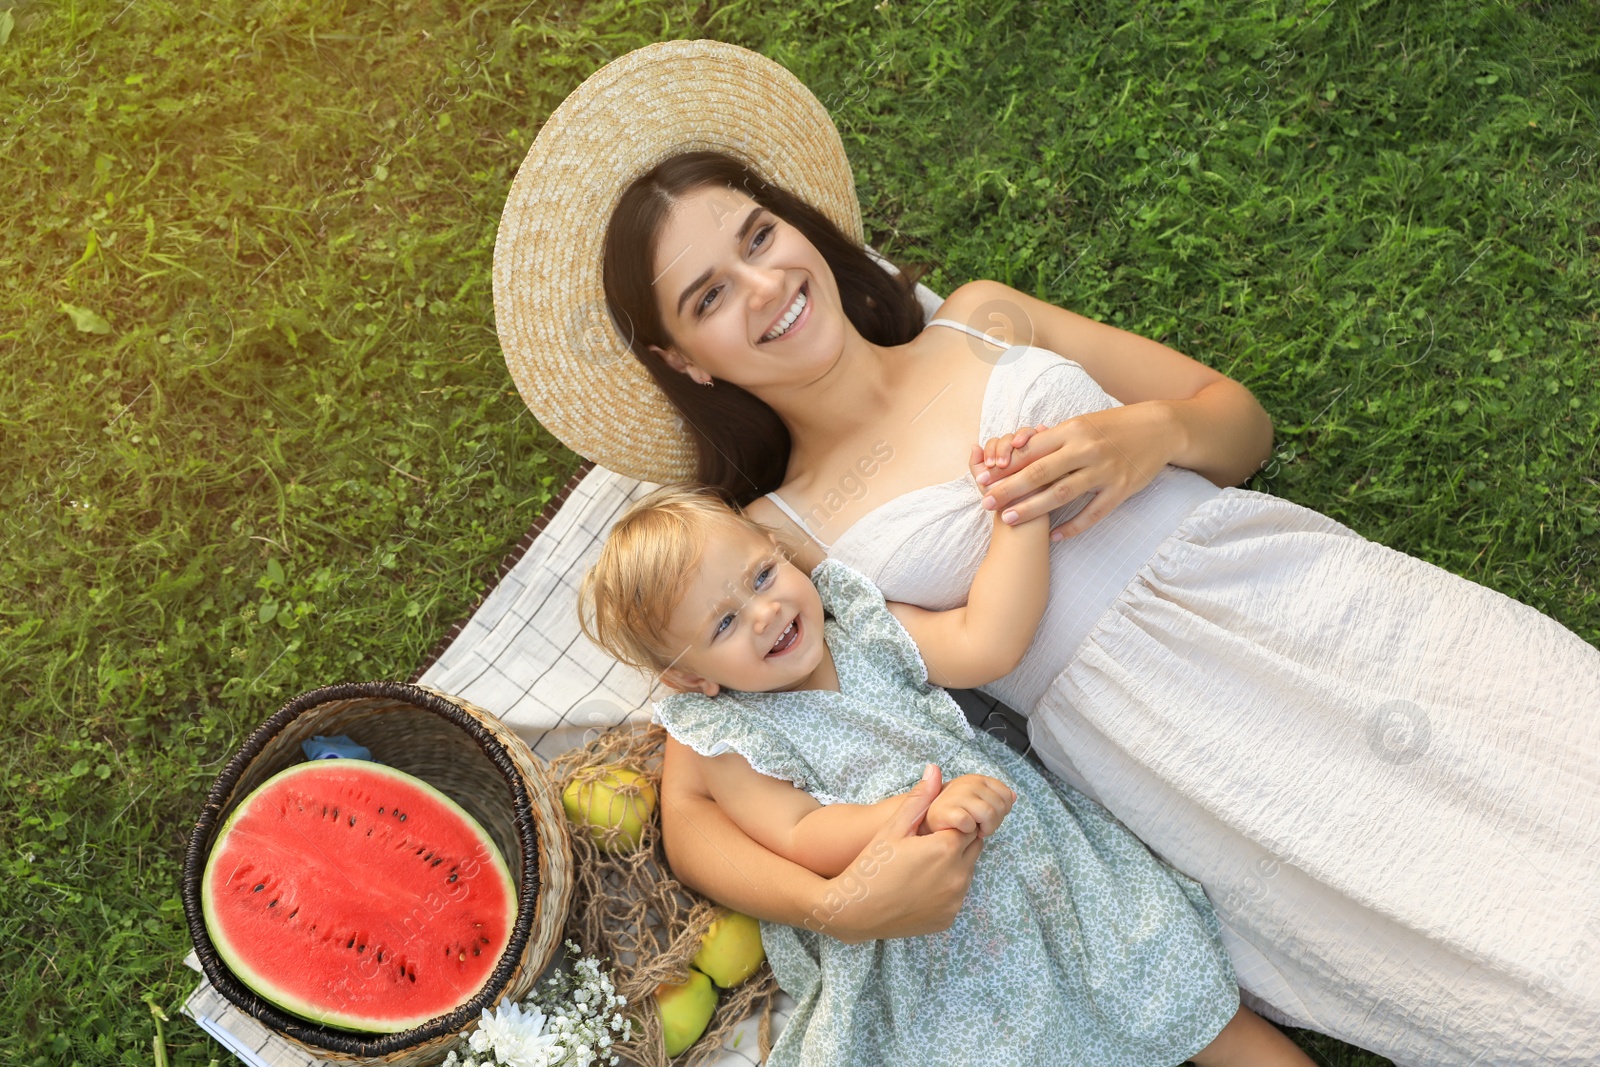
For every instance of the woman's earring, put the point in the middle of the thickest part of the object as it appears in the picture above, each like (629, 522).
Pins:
(708, 381)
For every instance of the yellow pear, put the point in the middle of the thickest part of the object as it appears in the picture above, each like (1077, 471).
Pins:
(731, 950)
(604, 798)
(685, 1010)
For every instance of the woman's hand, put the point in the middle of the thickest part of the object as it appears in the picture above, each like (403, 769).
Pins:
(1113, 453)
(906, 882)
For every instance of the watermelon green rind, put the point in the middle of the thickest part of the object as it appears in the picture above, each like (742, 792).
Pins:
(235, 958)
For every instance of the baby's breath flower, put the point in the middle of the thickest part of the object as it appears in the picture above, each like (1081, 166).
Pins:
(567, 1022)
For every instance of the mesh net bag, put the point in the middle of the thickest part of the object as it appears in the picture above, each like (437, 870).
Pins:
(627, 906)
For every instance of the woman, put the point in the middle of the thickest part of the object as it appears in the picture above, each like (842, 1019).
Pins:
(1383, 774)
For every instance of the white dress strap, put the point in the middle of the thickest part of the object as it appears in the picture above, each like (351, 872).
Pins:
(798, 521)
(964, 328)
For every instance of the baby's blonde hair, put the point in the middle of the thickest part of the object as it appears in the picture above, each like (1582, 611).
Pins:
(628, 596)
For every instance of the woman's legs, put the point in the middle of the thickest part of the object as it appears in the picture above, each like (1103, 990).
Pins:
(1250, 1041)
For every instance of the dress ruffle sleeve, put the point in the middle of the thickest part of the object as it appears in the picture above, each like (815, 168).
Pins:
(860, 610)
(873, 634)
(725, 723)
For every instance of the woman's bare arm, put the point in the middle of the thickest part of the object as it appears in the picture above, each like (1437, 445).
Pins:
(1176, 410)
(901, 885)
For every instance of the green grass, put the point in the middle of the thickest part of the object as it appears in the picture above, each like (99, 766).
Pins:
(286, 451)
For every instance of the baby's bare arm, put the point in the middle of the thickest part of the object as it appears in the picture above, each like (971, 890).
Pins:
(986, 637)
(823, 838)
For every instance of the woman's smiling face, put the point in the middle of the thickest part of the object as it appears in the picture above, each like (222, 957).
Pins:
(729, 277)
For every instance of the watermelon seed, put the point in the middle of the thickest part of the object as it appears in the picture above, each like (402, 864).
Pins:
(350, 943)
(461, 958)
(352, 820)
(403, 819)
(369, 833)
(422, 849)
(361, 948)
(259, 888)
(453, 877)
(273, 903)
(335, 813)
(447, 950)
(485, 940)
(412, 976)
(380, 955)
(476, 950)
(438, 861)
(380, 811)
(293, 913)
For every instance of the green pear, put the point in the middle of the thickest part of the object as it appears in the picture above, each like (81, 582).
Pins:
(685, 1010)
(607, 799)
(731, 950)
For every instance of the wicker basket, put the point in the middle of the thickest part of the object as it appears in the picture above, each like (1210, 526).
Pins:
(466, 753)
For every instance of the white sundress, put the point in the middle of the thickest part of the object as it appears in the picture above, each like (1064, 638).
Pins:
(1386, 776)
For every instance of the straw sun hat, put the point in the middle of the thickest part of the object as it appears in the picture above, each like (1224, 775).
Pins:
(571, 363)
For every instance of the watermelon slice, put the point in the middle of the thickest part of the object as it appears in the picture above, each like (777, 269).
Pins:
(357, 896)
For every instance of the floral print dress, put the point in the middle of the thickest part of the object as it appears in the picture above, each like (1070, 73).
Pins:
(1075, 945)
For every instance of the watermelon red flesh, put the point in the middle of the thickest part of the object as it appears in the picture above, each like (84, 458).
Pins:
(357, 896)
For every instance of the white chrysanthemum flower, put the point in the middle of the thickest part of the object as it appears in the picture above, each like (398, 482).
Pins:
(567, 1022)
(518, 1036)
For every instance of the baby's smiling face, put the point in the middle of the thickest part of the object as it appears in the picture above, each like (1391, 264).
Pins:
(749, 620)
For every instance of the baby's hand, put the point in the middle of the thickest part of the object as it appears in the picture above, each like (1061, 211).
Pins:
(997, 453)
(971, 802)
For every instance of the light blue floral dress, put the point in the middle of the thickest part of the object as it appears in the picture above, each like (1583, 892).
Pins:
(1075, 945)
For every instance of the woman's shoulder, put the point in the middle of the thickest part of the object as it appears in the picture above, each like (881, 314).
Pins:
(1015, 321)
(803, 551)
(994, 308)
(969, 296)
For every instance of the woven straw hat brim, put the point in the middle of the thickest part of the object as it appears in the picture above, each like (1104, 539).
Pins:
(571, 363)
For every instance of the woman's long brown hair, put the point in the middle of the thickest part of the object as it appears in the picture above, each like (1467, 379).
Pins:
(742, 446)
